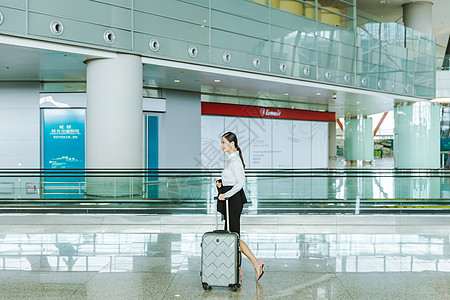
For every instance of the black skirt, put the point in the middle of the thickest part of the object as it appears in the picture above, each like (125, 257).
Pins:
(236, 203)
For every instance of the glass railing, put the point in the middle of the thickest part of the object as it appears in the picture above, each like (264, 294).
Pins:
(352, 191)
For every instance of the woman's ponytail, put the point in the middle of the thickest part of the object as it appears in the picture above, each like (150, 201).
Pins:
(240, 155)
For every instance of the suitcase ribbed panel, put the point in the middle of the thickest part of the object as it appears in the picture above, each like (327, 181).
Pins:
(220, 258)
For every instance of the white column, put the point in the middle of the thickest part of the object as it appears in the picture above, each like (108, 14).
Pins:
(332, 152)
(114, 124)
(358, 141)
(417, 15)
(417, 135)
(114, 113)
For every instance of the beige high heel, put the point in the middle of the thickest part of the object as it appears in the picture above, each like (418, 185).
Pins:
(261, 263)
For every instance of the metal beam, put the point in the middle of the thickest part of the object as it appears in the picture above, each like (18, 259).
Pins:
(379, 123)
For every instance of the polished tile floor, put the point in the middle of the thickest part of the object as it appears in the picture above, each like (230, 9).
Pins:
(158, 257)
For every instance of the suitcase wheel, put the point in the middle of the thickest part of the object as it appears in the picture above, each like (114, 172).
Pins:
(206, 286)
(235, 287)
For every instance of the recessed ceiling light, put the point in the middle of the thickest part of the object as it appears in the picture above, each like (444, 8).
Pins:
(216, 80)
(318, 94)
(286, 94)
(357, 102)
(441, 100)
(176, 80)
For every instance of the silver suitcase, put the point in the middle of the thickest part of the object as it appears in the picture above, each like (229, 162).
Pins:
(220, 258)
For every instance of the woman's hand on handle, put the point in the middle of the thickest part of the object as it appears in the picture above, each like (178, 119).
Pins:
(222, 197)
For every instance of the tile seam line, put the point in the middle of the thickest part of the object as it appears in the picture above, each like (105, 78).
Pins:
(97, 272)
(337, 276)
(185, 257)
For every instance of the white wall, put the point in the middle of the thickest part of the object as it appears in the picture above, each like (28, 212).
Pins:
(267, 143)
(19, 125)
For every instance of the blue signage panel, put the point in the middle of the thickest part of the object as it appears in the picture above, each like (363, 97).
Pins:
(152, 144)
(63, 137)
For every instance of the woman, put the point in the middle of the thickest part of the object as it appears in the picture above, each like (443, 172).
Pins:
(233, 180)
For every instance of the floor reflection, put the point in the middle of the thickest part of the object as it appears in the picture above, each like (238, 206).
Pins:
(168, 252)
(316, 266)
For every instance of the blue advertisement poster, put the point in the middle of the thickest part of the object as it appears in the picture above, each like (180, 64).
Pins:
(63, 137)
(152, 146)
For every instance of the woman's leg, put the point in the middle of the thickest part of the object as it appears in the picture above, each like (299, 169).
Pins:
(247, 252)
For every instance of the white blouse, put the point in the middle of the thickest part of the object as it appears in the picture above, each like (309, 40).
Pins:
(233, 174)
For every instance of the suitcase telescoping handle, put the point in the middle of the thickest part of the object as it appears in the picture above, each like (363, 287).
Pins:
(227, 203)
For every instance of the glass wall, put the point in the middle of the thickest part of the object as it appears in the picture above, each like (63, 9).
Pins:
(314, 40)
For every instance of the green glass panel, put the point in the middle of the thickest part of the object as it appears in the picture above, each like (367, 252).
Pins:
(283, 51)
(240, 25)
(85, 11)
(293, 69)
(126, 3)
(346, 37)
(293, 37)
(175, 9)
(63, 87)
(239, 60)
(322, 71)
(306, 56)
(13, 20)
(344, 77)
(78, 32)
(346, 51)
(242, 8)
(170, 48)
(162, 26)
(323, 45)
(228, 40)
(291, 53)
(345, 64)
(417, 132)
(14, 3)
(200, 2)
(327, 60)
